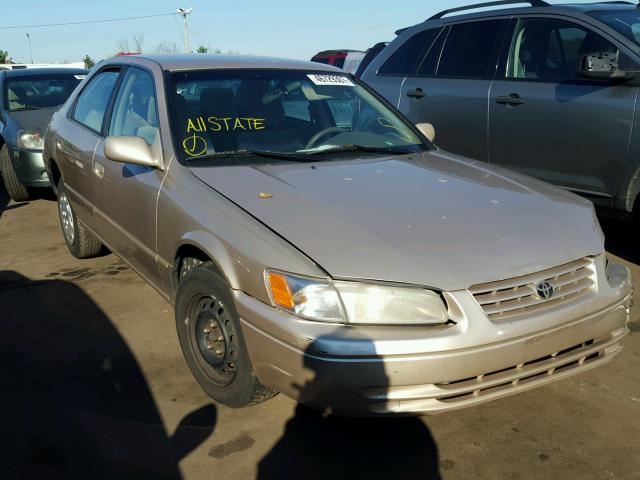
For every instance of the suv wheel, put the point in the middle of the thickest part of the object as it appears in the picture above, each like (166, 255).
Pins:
(211, 339)
(16, 190)
(80, 242)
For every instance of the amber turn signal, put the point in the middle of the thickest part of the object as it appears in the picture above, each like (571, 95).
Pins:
(280, 291)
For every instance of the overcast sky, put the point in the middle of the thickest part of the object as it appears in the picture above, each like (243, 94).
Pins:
(291, 29)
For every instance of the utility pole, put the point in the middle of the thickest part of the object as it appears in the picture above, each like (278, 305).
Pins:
(184, 12)
(30, 50)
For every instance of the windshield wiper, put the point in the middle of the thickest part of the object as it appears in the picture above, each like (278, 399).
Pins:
(259, 153)
(363, 148)
(22, 109)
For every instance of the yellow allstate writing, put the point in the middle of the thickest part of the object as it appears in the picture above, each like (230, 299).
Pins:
(194, 145)
(224, 124)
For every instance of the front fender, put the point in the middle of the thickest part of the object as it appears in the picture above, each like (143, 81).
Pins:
(190, 212)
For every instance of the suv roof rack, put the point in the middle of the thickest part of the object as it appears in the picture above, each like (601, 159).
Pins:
(533, 3)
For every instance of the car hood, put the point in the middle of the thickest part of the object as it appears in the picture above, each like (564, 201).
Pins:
(432, 219)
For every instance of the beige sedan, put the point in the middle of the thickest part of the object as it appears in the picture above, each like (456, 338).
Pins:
(315, 243)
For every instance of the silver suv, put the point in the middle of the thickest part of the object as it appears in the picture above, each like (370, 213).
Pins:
(547, 90)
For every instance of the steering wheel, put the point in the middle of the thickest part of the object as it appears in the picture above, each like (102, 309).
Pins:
(323, 133)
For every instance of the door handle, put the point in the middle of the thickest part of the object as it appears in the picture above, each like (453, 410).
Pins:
(416, 93)
(511, 99)
(98, 170)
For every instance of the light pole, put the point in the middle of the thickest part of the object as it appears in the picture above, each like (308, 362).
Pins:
(30, 50)
(184, 12)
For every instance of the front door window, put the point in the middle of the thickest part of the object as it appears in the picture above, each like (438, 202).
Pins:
(548, 50)
(134, 112)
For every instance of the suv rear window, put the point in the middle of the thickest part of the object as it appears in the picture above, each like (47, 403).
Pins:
(405, 60)
(470, 49)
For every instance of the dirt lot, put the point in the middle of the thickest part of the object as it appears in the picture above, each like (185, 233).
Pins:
(93, 385)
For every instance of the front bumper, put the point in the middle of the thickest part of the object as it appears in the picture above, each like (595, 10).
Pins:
(29, 168)
(382, 370)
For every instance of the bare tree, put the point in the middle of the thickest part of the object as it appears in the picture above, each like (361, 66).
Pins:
(122, 45)
(167, 47)
(138, 41)
(133, 44)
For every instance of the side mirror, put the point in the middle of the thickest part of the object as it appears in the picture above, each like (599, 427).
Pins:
(601, 66)
(427, 130)
(133, 150)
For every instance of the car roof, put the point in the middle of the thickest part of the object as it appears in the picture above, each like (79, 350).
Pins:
(31, 72)
(599, 6)
(200, 61)
(440, 19)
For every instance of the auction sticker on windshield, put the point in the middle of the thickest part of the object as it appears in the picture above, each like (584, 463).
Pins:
(337, 80)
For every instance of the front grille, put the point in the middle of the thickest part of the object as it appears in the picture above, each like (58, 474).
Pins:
(515, 297)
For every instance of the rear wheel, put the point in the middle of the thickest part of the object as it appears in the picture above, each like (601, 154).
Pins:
(80, 242)
(16, 190)
(211, 339)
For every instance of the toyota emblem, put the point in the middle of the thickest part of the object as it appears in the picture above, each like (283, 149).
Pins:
(544, 290)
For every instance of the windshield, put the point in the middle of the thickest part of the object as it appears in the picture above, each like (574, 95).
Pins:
(39, 91)
(289, 112)
(627, 22)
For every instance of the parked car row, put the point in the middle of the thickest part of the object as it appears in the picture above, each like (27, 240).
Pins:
(347, 60)
(315, 242)
(28, 98)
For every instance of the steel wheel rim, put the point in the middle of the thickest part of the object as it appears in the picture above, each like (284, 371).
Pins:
(213, 339)
(66, 218)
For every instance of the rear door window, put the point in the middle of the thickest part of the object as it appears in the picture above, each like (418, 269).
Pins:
(471, 49)
(94, 99)
(430, 63)
(406, 59)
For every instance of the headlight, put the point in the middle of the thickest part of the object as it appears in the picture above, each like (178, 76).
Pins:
(30, 140)
(355, 302)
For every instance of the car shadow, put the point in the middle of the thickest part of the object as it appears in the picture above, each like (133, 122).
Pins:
(4, 199)
(569, 91)
(35, 194)
(620, 238)
(320, 446)
(74, 402)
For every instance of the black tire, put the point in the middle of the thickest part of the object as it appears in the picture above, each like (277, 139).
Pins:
(80, 242)
(218, 358)
(16, 190)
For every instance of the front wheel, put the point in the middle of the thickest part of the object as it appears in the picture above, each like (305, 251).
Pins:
(80, 242)
(211, 339)
(15, 188)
